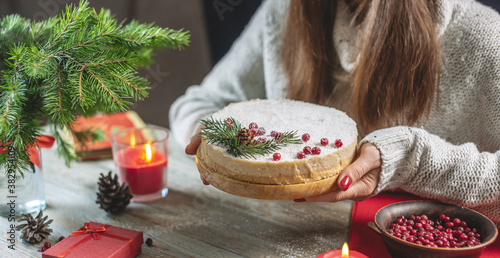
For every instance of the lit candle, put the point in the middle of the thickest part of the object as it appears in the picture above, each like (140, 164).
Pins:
(342, 253)
(142, 167)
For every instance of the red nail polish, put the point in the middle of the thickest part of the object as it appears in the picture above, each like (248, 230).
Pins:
(299, 200)
(345, 182)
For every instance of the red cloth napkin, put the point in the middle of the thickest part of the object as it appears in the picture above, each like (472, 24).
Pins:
(366, 241)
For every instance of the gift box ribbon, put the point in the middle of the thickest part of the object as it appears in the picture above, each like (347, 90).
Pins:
(94, 234)
(43, 141)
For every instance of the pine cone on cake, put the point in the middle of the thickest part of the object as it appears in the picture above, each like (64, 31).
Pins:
(113, 197)
(246, 136)
(35, 230)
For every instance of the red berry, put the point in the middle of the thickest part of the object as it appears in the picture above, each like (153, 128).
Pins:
(253, 125)
(278, 136)
(306, 137)
(324, 141)
(301, 155)
(228, 121)
(261, 140)
(261, 131)
(47, 245)
(307, 150)
(338, 143)
(253, 132)
(273, 134)
(276, 156)
(316, 151)
(61, 238)
(456, 221)
(43, 249)
(149, 241)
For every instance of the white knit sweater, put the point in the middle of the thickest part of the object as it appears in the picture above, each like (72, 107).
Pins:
(454, 156)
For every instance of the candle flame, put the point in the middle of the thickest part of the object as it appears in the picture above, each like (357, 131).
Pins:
(149, 154)
(345, 250)
(132, 140)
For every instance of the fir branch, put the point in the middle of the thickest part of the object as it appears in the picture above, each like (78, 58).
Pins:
(80, 62)
(224, 133)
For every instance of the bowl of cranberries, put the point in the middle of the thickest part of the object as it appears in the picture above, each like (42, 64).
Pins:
(434, 229)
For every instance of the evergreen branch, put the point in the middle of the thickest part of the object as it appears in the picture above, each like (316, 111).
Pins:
(59, 87)
(103, 86)
(79, 62)
(224, 133)
(135, 87)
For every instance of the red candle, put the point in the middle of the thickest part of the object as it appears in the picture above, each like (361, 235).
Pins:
(142, 167)
(345, 252)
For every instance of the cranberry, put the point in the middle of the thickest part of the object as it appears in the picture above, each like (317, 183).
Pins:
(273, 134)
(301, 155)
(316, 151)
(253, 125)
(324, 141)
(447, 233)
(307, 150)
(338, 143)
(253, 132)
(261, 131)
(276, 156)
(43, 249)
(261, 140)
(61, 238)
(306, 137)
(229, 122)
(278, 136)
(47, 245)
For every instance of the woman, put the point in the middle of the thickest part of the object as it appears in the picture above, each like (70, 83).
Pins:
(421, 78)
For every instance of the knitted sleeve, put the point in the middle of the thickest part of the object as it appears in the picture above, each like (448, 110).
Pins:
(238, 76)
(426, 165)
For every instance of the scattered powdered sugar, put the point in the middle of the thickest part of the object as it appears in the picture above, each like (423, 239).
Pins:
(291, 115)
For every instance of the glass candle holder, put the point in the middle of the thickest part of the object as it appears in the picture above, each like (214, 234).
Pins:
(141, 158)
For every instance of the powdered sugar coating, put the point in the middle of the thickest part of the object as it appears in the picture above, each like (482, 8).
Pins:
(291, 115)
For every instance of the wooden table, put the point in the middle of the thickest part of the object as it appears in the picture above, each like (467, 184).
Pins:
(193, 220)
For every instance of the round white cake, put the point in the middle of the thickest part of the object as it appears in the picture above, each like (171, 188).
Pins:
(327, 141)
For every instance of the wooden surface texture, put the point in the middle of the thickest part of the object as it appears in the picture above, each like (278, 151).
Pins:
(193, 220)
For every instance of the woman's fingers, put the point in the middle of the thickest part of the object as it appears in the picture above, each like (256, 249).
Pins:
(358, 180)
(368, 160)
(192, 147)
(357, 192)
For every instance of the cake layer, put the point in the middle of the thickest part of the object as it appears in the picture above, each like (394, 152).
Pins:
(283, 116)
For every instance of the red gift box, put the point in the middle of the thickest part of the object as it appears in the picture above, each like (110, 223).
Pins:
(98, 240)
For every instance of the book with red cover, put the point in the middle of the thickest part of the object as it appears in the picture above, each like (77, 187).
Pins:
(106, 125)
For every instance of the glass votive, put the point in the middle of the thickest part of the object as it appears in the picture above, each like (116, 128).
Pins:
(141, 158)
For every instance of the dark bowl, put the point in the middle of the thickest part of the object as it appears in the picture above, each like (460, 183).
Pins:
(401, 248)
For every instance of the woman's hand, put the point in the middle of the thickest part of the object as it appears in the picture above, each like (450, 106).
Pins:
(357, 181)
(192, 147)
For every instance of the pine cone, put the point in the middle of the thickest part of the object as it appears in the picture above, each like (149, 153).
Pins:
(112, 196)
(246, 136)
(35, 230)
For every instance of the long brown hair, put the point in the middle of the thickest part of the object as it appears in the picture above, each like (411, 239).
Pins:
(398, 71)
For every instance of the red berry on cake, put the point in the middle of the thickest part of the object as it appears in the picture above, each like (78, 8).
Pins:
(276, 156)
(316, 150)
(307, 150)
(278, 136)
(338, 143)
(324, 141)
(261, 131)
(306, 137)
(301, 155)
(273, 134)
(253, 132)
(253, 125)
(261, 140)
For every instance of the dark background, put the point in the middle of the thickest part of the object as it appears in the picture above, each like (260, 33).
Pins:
(214, 25)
